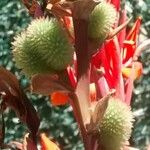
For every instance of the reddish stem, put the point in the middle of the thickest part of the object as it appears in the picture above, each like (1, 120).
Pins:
(81, 46)
(77, 112)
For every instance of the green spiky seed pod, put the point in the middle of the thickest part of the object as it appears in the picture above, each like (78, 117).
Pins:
(115, 128)
(42, 48)
(101, 20)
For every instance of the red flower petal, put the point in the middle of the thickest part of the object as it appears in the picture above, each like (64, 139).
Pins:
(131, 40)
(59, 98)
(116, 3)
(96, 59)
(67, 21)
(128, 50)
(114, 57)
(122, 34)
(133, 34)
(72, 76)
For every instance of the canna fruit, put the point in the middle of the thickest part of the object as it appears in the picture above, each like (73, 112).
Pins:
(115, 128)
(42, 48)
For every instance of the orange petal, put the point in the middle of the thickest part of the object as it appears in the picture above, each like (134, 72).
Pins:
(92, 92)
(138, 69)
(47, 144)
(59, 98)
(126, 72)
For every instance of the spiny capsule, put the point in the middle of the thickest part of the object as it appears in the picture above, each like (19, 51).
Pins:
(42, 48)
(101, 21)
(115, 128)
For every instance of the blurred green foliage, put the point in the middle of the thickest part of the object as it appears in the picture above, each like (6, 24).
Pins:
(58, 122)
(141, 100)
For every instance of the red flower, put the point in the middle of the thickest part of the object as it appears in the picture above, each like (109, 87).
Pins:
(116, 58)
(113, 67)
(116, 3)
